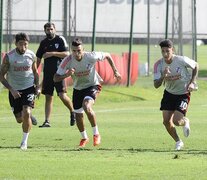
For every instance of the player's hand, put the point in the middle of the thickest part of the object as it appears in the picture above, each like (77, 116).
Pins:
(192, 87)
(117, 76)
(47, 55)
(70, 72)
(167, 72)
(37, 91)
(16, 94)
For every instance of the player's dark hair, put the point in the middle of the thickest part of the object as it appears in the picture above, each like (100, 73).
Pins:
(77, 42)
(166, 43)
(21, 36)
(49, 24)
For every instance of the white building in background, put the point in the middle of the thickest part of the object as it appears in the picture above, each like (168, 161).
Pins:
(112, 20)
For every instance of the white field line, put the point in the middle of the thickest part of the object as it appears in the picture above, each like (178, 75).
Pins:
(9, 115)
(156, 110)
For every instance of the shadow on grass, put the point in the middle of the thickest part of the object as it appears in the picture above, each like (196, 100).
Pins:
(9, 147)
(130, 150)
(202, 73)
(136, 150)
(196, 152)
(127, 95)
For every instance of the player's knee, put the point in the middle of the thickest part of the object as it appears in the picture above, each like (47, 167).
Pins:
(26, 112)
(63, 95)
(166, 123)
(178, 122)
(88, 110)
(19, 120)
(79, 116)
(18, 117)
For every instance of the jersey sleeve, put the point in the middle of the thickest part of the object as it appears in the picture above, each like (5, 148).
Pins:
(64, 66)
(157, 70)
(33, 55)
(63, 45)
(40, 51)
(190, 63)
(97, 56)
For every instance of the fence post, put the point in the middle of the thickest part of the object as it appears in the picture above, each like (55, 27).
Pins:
(50, 8)
(1, 27)
(130, 44)
(94, 25)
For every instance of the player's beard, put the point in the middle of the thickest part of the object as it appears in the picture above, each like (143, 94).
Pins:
(50, 36)
(20, 51)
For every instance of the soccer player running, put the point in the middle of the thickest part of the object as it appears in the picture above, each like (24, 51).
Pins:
(173, 72)
(22, 82)
(80, 65)
(53, 49)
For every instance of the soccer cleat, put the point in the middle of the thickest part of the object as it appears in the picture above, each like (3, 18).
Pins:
(96, 139)
(34, 120)
(72, 118)
(186, 127)
(45, 124)
(83, 143)
(179, 145)
(23, 146)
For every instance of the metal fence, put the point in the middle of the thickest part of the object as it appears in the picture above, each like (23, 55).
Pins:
(105, 21)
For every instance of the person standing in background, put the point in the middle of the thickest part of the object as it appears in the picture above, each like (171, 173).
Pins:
(53, 49)
(173, 71)
(22, 82)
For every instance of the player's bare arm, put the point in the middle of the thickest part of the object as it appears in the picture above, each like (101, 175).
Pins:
(111, 62)
(192, 84)
(165, 76)
(58, 78)
(56, 54)
(38, 62)
(36, 79)
(194, 73)
(158, 82)
(3, 71)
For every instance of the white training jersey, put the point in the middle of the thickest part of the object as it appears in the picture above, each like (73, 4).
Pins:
(20, 74)
(85, 73)
(180, 73)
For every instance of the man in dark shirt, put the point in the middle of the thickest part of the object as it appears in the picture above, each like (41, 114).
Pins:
(53, 49)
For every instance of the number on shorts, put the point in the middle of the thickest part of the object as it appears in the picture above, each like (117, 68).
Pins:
(30, 97)
(184, 105)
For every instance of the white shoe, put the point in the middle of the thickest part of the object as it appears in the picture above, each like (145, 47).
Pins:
(179, 145)
(186, 127)
(23, 146)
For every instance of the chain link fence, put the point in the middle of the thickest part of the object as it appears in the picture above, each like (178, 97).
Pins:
(153, 20)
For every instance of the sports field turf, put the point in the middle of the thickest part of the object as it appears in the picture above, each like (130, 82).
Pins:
(135, 144)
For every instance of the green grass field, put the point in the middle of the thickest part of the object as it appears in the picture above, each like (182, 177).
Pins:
(135, 144)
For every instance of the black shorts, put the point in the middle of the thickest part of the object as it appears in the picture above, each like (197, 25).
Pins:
(79, 95)
(27, 98)
(48, 86)
(173, 102)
